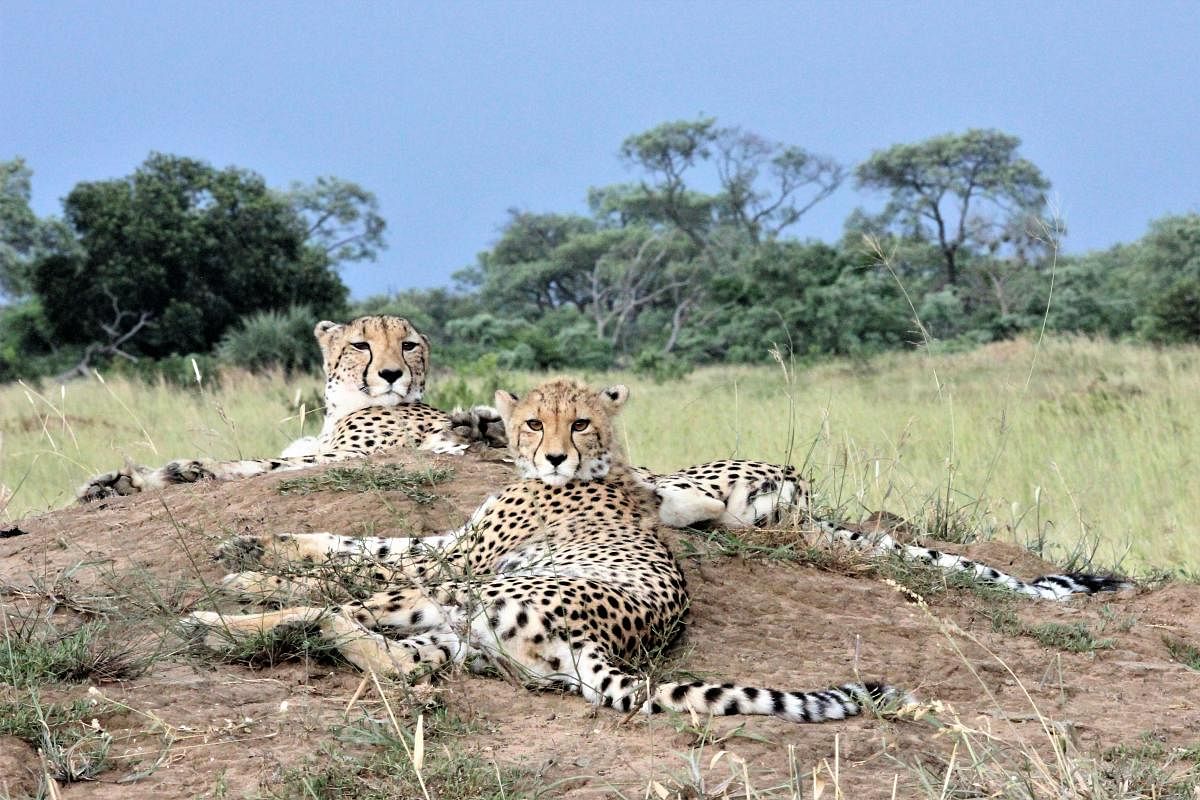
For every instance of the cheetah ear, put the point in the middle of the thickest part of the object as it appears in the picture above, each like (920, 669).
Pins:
(505, 403)
(613, 397)
(324, 330)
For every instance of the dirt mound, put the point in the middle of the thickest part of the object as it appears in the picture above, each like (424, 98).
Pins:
(1086, 676)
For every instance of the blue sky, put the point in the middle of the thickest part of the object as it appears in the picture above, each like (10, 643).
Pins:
(454, 112)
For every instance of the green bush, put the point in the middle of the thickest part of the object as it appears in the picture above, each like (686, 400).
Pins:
(273, 339)
(27, 347)
(1174, 315)
(660, 366)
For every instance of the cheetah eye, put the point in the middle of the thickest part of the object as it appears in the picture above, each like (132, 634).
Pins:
(580, 425)
(534, 424)
(408, 346)
(360, 345)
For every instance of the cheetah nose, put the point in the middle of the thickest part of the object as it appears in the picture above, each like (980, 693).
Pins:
(390, 375)
(556, 458)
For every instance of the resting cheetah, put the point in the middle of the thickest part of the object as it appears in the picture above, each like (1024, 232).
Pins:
(375, 371)
(738, 494)
(560, 580)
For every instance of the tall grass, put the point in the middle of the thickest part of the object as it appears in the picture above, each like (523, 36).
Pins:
(1071, 440)
(1043, 444)
(52, 438)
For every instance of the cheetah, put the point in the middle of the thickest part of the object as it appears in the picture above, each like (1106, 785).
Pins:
(375, 370)
(740, 494)
(561, 580)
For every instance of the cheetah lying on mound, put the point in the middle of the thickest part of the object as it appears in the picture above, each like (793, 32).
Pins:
(375, 370)
(560, 580)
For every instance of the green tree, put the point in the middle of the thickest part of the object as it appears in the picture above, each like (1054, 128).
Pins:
(173, 255)
(23, 237)
(960, 191)
(341, 218)
(1166, 273)
(527, 269)
(763, 189)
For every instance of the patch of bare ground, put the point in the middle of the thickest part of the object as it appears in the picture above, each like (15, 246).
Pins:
(192, 725)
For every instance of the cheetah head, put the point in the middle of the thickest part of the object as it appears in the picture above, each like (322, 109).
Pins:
(562, 430)
(372, 361)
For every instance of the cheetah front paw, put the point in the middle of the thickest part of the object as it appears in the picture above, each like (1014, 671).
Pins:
(129, 479)
(479, 424)
(278, 549)
(207, 630)
(186, 471)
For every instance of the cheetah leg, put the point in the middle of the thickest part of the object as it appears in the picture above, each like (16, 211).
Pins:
(296, 549)
(445, 443)
(750, 504)
(512, 636)
(262, 587)
(366, 649)
(479, 424)
(684, 505)
(290, 549)
(133, 479)
(412, 609)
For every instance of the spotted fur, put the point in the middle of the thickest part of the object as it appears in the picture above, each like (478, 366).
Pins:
(560, 580)
(375, 368)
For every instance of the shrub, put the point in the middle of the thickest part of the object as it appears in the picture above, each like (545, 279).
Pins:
(660, 366)
(273, 339)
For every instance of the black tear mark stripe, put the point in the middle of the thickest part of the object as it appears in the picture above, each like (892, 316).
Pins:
(367, 367)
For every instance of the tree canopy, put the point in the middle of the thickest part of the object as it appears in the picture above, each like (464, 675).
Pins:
(698, 257)
(958, 190)
(171, 256)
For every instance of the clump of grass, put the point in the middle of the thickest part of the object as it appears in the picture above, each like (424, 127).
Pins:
(928, 581)
(982, 768)
(1072, 638)
(279, 645)
(415, 484)
(398, 763)
(1184, 653)
(73, 748)
(1151, 746)
(33, 653)
(760, 545)
(386, 774)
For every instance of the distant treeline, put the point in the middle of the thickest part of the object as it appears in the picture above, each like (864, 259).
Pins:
(698, 260)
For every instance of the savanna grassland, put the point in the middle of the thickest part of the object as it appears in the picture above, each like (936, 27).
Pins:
(1067, 446)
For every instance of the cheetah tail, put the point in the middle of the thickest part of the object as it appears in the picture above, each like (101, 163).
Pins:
(838, 702)
(609, 686)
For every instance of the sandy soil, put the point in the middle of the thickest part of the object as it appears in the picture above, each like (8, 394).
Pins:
(207, 727)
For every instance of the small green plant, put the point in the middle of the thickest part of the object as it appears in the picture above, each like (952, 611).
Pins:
(73, 744)
(33, 653)
(273, 339)
(279, 645)
(1184, 653)
(1072, 638)
(396, 764)
(371, 478)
